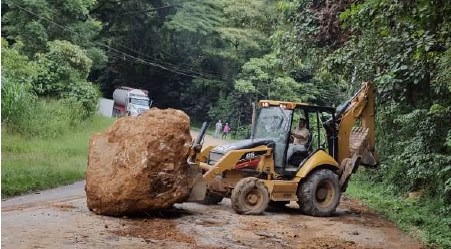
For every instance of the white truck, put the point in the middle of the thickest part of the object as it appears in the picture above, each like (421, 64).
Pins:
(130, 101)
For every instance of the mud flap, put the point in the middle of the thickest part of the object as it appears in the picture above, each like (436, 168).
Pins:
(198, 184)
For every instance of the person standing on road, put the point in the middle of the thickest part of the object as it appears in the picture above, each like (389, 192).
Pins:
(218, 129)
(226, 131)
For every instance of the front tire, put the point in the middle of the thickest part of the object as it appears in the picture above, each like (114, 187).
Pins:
(319, 194)
(250, 196)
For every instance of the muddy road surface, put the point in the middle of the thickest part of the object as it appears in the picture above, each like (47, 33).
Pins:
(59, 218)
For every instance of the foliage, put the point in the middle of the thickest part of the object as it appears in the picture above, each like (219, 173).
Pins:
(227, 109)
(18, 73)
(35, 32)
(425, 218)
(47, 118)
(193, 51)
(65, 69)
(406, 62)
(24, 113)
(17, 102)
(300, 42)
(32, 164)
(44, 34)
(202, 18)
(85, 95)
(16, 66)
(403, 47)
(422, 159)
(65, 63)
(264, 80)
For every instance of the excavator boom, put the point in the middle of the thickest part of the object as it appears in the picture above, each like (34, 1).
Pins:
(356, 144)
(352, 140)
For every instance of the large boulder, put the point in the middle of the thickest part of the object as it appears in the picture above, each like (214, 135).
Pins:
(139, 164)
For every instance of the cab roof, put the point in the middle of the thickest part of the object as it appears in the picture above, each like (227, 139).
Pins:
(294, 105)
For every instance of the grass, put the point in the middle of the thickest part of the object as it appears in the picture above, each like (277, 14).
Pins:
(32, 163)
(426, 219)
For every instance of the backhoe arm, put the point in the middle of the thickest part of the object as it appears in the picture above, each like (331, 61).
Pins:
(358, 141)
(356, 145)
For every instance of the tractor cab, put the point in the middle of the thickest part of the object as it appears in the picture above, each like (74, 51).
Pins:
(279, 122)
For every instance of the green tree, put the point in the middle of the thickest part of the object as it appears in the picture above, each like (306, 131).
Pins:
(262, 78)
(35, 23)
(403, 47)
(63, 74)
(63, 65)
(18, 74)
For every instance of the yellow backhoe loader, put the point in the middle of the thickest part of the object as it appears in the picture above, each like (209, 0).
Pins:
(269, 169)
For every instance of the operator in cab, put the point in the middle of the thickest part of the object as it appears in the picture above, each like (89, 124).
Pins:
(300, 139)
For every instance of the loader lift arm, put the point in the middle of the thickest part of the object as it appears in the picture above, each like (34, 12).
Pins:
(198, 184)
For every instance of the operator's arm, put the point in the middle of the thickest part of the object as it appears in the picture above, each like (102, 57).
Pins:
(300, 134)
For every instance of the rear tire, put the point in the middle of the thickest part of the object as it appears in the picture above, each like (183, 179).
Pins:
(250, 196)
(319, 194)
(212, 198)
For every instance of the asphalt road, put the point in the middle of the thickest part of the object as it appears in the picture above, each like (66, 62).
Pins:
(59, 218)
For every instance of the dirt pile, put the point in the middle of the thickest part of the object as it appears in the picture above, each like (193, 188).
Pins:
(139, 164)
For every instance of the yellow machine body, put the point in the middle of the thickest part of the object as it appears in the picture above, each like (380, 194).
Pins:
(279, 190)
(354, 146)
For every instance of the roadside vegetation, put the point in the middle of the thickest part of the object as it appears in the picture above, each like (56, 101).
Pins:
(48, 104)
(36, 163)
(421, 216)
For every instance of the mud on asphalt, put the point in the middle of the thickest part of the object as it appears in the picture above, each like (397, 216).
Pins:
(354, 226)
(67, 223)
(59, 218)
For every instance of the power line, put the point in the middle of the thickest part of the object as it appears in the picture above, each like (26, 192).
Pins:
(167, 68)
(131, 58)
(149, 10)
(39, 16)
(135, 59)
(205, 72)
(98, 43)
(207, 75)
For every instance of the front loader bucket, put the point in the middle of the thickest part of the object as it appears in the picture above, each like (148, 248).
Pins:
(198, 184)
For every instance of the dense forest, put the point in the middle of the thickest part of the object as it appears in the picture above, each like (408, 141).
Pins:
(213, 58)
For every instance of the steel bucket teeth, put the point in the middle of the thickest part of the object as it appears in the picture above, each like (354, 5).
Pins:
(358, 140)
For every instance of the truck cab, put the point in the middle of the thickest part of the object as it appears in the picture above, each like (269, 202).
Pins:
(130, 101)
(138, 104)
